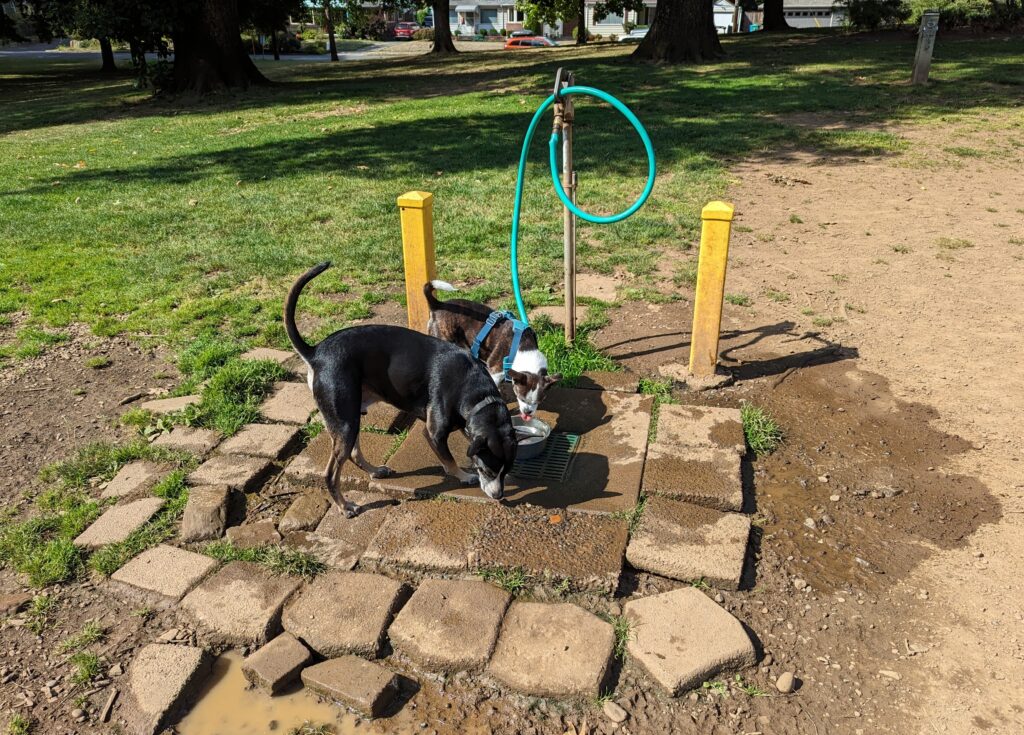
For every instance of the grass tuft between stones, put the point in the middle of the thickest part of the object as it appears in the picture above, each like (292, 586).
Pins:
(762, 432)
(20, 725)
(661, 389)
(514, 581)
(232, 396)
(281, 561)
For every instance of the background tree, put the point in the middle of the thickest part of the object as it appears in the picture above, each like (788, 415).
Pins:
(540, 12)
(270, 17)
(443, 43)
(208, 50)
(682, 30)
(8, 26)
(774, 19)
(332, 43)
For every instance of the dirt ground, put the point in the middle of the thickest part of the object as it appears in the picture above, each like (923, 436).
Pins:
(886, 562)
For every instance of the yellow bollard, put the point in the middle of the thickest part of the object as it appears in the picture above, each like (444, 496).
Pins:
(417, 209)
(716, 220)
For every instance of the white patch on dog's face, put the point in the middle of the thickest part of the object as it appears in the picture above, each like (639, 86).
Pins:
(530, 361)
(492, 487)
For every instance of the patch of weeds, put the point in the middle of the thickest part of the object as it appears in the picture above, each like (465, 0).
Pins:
(743, 228)
(700, 584)
(795, 219)
(662, 392)
(20, 725)
(86, 665)
(780, 297)
(203, 358)
(751, 690)
(762, 432)
(991, 209)
(880, 261)
(765, 237)
(90, 633)
(823, 321)
(572, 360)
(308, 728)
(311, 431)
(807, 312)
(856, 309)
(738, 299)
(98, 363)
(231, 398)
(854, 142)
(1016, 241)
(41, 547)
(715, 687)
(953, 243)
(161, 527)
(901, 249)
(143, 613)
(38, 614)
(685, 274)
(634, 515)
(839, 277)
(147, 423)
(649, 295)
(623, 629)
(278, 560)
(964, 151)
(102, 460)
(512, 581)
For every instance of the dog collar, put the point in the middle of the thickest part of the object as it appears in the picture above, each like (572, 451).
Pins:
(483, 404)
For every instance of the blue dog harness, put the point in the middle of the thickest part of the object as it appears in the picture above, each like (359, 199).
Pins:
(518, 327)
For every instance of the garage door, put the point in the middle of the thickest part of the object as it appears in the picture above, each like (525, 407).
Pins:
(489, 18)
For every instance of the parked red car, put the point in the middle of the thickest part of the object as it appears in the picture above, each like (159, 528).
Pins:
(527, 42)
(405, 30)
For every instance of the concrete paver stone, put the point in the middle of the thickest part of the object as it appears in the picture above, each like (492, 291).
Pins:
(450, 625)
(428, 535)
(308, 468)
(117, 523)
(707, 476)
(251, 535)
(165, 570)
(134, 477)
(162, 680)
(291, 403)
(189, 439)
(344, 612)
(281, 357)
(272, 441)
(362, 685)
(169, 405)
(682, 638)
(552, 650)
(689, 542)
(306, 511)
(385, 417)
(237, 472)
(701, 426)
(205, 513)
(242, 602)
(277, 664)
(339, 541)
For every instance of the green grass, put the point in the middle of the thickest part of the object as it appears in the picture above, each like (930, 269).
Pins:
(86, 667)
(39, 612)
(231, 397)
(779, 297)
(512, 581)
(762, 432)
(634, 515)
(661, 389)
(98, 363)
(685, 274)
(901, 249)
(795, 219)
(19, 724)
(191, 218)
(953, 243)
(281, 561)
(309, 728)
(738, 299)
(623, 629)
(91, 633)
(571, 361)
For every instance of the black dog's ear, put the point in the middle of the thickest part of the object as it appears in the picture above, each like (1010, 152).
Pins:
(552, 379)
(475, 446)
(517, 377)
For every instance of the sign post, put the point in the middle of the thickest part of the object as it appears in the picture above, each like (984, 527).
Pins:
(925, 46)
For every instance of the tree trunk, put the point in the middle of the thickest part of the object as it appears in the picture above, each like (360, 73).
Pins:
(329, 27)
(208, 52)
(443, 43)
(107, 53)
(275, 47)
(682, 31)
(581, 26)
(774, 18)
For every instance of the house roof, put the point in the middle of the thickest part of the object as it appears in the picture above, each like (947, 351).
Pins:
(809, 4)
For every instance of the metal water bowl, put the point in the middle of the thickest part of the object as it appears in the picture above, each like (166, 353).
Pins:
(531, 436)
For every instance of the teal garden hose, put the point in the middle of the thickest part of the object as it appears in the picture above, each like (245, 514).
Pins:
(553, 146)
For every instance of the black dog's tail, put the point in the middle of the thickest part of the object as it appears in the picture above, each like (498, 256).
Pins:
(304, 349)
(428, 291)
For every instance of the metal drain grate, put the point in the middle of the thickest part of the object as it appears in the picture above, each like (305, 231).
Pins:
(553, 463)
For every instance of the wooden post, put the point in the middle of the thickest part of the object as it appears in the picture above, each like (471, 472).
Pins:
(417, 210)
(716, 220)
(925, 46)
(569, 223)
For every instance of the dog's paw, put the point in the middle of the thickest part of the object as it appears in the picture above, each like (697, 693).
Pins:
(382, 472)
(351, 510)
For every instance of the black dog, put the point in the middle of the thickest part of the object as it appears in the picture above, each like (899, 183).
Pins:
(431, 379)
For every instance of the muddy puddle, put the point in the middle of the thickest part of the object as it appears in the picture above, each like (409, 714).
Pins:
(228, 706)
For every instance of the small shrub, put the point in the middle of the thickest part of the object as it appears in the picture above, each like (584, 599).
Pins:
(423, 34)
(763, 434)
(871, 15)
(953, 243)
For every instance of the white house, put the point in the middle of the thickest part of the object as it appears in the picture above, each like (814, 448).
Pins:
(813, 13)
(469, 18)
(725, 18)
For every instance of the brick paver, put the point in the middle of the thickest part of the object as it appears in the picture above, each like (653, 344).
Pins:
(237, 472)
(271, 441)
(166, 571)
(290, 403)
(118, 523)
(162, 681)
(277, 664)
(362, 685)
(133, 479)
(199, 442)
